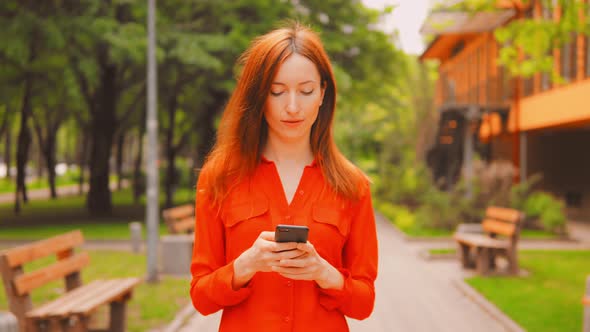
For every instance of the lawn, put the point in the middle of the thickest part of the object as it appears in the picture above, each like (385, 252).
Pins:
(152, 306)
(549, 300)
(43, 218)
(419, 232)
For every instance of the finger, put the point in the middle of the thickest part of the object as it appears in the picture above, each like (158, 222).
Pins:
(284, 246)
(307, 247)
(268, 236)
(293, 263)
(291, 254)
(290, 270)
(304, 276)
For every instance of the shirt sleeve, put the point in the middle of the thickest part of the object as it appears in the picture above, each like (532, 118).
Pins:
(211, 286)
(357, 298)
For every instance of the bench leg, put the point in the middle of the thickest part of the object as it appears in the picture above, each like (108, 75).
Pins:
(483, 260)
(512, 256)
(117, 320)
(465, 256)
(492, 263)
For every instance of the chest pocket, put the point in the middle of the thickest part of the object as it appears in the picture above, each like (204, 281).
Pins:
(332, 216)
(243, 210)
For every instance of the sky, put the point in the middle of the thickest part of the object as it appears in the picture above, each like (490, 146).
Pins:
(407, 18)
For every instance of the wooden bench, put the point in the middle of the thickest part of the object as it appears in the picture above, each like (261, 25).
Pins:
(180, 219)
(72, 310)
(501, 228)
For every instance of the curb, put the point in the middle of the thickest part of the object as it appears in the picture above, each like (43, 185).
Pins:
(180, 319)
(487, 306)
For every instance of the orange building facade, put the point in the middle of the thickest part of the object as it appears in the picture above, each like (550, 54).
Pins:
(542, 127)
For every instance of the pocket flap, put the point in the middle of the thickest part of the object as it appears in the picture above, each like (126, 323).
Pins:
(240, 211)
(332, 215)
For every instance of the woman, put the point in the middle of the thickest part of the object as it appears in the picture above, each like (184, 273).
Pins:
(275, 162)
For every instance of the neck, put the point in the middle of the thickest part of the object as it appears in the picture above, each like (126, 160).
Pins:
(281, 152)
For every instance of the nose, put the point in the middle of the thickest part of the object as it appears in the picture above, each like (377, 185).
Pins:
(292, 106)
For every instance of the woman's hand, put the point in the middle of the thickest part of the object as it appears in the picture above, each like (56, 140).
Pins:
(310, 266)
(261, 257)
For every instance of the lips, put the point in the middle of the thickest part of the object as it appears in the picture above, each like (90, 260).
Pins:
(292, 122)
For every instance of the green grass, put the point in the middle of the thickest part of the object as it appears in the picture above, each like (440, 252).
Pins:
(91, 231)
(549, 300)
(444, 251)
(438, 233)
(151, 306)
(43, 218)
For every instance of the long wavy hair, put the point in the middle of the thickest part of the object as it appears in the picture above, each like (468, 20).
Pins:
(243, 130)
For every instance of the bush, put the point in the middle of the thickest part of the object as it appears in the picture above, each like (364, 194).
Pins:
(399, 215)
(547, 209)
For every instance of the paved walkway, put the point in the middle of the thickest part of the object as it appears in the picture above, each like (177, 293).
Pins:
(412, 295)
(69, 190)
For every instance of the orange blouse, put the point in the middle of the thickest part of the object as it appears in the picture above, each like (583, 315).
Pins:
(342, 232)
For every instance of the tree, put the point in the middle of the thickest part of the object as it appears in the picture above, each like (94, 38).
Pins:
(527, 43)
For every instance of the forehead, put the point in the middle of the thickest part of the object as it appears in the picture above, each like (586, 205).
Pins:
(297, 68)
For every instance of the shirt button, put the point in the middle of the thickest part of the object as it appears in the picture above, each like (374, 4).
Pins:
(289, 283)
(288, 218)
(287, 319)
(301, 192)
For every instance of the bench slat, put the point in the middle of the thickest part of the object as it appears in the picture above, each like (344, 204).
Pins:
(85, 299)
(47, 309)
(179, 212)
(504, 214)
(23, 284)
(89, 295)
(27, 253)
(498, 227)
(117, 289)
(481, 240)
(184, 224)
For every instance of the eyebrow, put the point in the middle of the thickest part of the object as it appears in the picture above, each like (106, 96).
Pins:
(300, 83)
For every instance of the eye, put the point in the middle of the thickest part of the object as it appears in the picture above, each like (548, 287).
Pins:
(276, 94)
(307, 93)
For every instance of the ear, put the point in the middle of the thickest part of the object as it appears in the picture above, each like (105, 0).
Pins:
(323, 91)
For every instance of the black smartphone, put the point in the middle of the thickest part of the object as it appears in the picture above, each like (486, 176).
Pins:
(291, 233)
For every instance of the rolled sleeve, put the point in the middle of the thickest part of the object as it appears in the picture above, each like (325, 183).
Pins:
(360, 257)
(211, 286)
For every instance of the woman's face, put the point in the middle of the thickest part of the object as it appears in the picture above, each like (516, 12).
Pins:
(294, 99)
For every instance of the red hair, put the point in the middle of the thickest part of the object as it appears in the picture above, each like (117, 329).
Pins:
(243, 130)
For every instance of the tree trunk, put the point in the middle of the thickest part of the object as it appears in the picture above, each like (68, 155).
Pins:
(82, 161)
(207, 136)
(8, 152)
(49, 153)
(38, 153)
(24, 143)
(171, 177)
(102, 130)
(119, 165)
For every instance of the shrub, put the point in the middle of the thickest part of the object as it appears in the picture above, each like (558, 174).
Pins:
(547, 209)
(399, 215)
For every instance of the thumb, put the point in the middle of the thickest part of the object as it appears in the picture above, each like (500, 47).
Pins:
(268, 236)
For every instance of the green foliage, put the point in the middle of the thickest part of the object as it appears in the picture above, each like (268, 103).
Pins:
(548, 300)
(403, 218)
(548, 209)
(527, 43)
